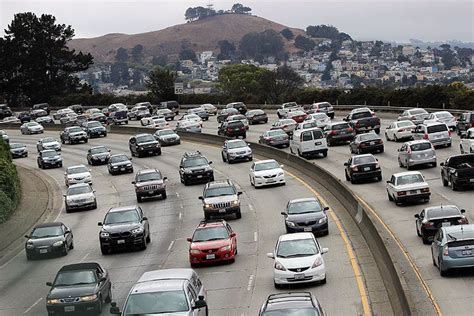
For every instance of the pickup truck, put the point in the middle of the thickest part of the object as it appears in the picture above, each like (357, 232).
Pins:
(363, 120)
(282, 112)
(458, 171)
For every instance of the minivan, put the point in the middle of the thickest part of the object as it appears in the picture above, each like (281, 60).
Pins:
(309, 142)
(416, 152)
(171, 105)
(437, 133)
(320, 107)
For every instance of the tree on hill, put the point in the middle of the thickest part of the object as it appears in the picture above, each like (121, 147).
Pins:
(161, 84)
(240, 9)
(198, 13)
(261, 45)
(304, 43)
(137, 53)
(36, 62)
(287, 33)
(187, 53)
(227, 50)
(122, 55)
(326, 31)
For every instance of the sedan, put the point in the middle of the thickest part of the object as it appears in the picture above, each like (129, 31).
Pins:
(10, 120)
(99, 117)
(18, 150)
(256, 117)
(266, 172)
(31, 128)
(47, 239)
(287, 125)
(298, 258)
(49, 158)
(166, 113)
(48, 143)
(408, 186)
(189, 126)
(209, 108)
(306, 125)
(362, 167)
(367, 143)
(443, 117)
(306, 215)
(432, 218)
(44, 120)
(274, 138)
(77, 174)
(94, 129)
(98, 155)
(159, 123)
(4, 136)
(321, 119)
(119, 163)
(199, 112)
(235, 150)
(400, 130)
(80, 196)
(167, 137)
(297, 115)
(223, 114)
(149, 120)
(62, 112)
(416, 115)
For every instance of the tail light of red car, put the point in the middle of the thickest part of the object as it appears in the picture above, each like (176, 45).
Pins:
(425, 136)
(349, 129)
(428, 224)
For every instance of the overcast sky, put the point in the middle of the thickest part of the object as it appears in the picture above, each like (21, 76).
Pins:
(389, 20)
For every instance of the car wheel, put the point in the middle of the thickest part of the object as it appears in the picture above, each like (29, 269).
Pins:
(454, 187)
(277, 286)
(442, 272)
(238, 214)
(71, 246)
(390, 198)
(163, 195)
(425, 240)
(223, 157)
(381, 150)
(323, 281)
(99, 306)
(445, 182)
(94, 206)
(358, 151)
(448, 145)
(325, 154)
(386, 136)
(379, 178)
(65, 250)
(67, 209)
(207, 216)
(228, 160)
(400, 163)
(353, 180)
(395, 138)
(377, 131)
(29, 256)
(139, 198)
(108, 299)
(434, 164)
(148, 238)
(251, 183)
(347, 176)
(409, 167)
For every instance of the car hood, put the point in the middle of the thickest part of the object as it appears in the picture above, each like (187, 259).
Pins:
(412, 186)
(101, 155)
(15, 150)
(220, 199)
(297, 262)
(77, 133)
(305, 217)
(240, 149)
(96, 128)
(39, 242)
(51, 145)
(72, 291)
(120, 163)
(82, 196)
(147, 183)
(52, 158)
(79, 175)
(169, 136)
(268, 172)
(211, 244)
(35, 127)
(122, 227)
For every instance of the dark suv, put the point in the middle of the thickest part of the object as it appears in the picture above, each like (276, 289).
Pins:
(149, 183)
(291, 303)
(194, 167)
(124, 227)
(220, 198)
(77, 108)
(232, 129)
(5, 111)
(239, 106)
(118, 117)
(49, 158)
(142, 144)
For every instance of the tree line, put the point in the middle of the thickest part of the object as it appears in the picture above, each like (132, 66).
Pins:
(198, 13)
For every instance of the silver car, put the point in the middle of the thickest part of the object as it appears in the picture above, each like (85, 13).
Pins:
(80, 196)
(437, 133)
(415, 153)
(167, 137)
(31, 128)
(416, 115)
(236, 149)
(453, 247)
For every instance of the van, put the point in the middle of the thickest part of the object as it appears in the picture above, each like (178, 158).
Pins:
(320, 107)
(171, 105)
(309, 142)
(437, 133)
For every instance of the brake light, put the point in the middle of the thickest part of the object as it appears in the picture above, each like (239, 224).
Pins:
(463, 221)
(428, 224)
(425, 136)
(357, 123)
(401, 193)
(363, 145)
(413, 118)
(446, 251)
(449, 132)
(409, 151)
(333, 132)
(349, 129)
(425, 190)
(229, 129)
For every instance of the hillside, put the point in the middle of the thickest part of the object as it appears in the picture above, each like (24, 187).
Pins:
(202, 35)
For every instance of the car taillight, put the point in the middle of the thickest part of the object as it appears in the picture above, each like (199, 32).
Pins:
(413, 118)
(401, 130)
(446, 251)
(401, 193)
(425, 136)
(449, 132)
(463, 221)
(409, 151)
(425, 190)
(229, 129)
(333, 132)
(357, 123)
(363, 145)
(349, 129)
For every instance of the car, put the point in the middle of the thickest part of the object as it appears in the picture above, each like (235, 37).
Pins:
(266, 172)
(68, 118)
(138, 112)
(416, 153)
(220, 198)
(5, 111)
(10, 120)
(62, 112)
(94, 129)
(416, 115)
(458, 171)
(437, 133)
(79, 288)
(298, 258)
(48, 239)
(274, 138)
(224, 113)
(367, 143)
(453, 248)
(158, 123)
(194, 167)
(49, 158)
(443, 117)
(239, 117)
(256, 117)
(306, 215)
(292, 303)
(466, 144)
(44, 120)
(150, 107)
(166, 113)
(209, 108)
(321, 119)
(73, 135)
(232, 129)
(408, 186)
(430, 219)
(191, 117)
(239, 106)
(212, 241)
(297, 115)
(167, 137)
(18, 150)
(287, 125)
(199, 112)
(179, 291)
(38, 113)
(77, 174)
(465, 122)
(119, 163)
(144, 144)
(361, 167)
(170, 105)
(4, 136)
(41, 106)
(235, 150)
(188, 126)
(115, 107)
(320, 107)
(89, 112)
(400, 130)
(148, 120)
(119, 117)
(305, 125)
(98, 155)
(99, 117)
(31, 128)
(338, 132)
(309, 143)
(24, 117)
(124, 227)
(282, 112)
(80, 196)
(149, 183)
(77, 108)
(363, 120)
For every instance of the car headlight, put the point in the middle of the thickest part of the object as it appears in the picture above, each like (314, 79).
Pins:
(236, 202)
(279, 266)
(104, 234)
(194, 251)
(129, 165)
(137, 230)
(89, 298)
(53, 301)
(29, 245)
(91, 199)
(225, 248)
(280, 174)
(188, 171)
(258, 177)
(207, 205)
(317, 262)
(291, 224)
(323, 220)
(58, 243)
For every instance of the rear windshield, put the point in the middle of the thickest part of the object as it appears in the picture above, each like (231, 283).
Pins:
(461, 243)
(442, 212)
(359, 115)
(419, 111)
(437, 128)
(363, 160)
(369, 136)
(235, 124)
(340, 126)
(420, 146)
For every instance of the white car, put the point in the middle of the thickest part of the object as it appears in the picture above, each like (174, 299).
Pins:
(467, 143)
(189, 126)
(48, 143)
(80, 196)
(416, 115)
(239, 117)
(88, 113)
(266, 172)
(282, 112)
(167, 137)
(10, 120)
(236, 149)
(62, 112)
(408, 186)
(321, 119)
(298, 258)
(191, 117)
(31, 128)
(399, 130)
(77, 174)
(149, 119)
(305, 125)
(209, 108)
(159, 123)
(443, 117)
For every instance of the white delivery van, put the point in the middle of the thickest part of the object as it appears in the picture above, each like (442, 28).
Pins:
(309, 142)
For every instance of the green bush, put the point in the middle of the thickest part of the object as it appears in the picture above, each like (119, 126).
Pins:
(10, 189)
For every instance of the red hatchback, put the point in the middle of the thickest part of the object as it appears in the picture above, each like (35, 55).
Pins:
(212, 241)
(298, 116)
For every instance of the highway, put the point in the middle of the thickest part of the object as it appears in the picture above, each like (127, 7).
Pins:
(236, 289)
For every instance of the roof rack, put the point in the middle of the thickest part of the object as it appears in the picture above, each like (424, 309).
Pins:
(208, 221)
(192, 153)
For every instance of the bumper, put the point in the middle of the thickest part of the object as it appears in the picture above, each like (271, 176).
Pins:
(269, 181)
(79, 206)
(404, 135)
(413, 197)
(78, 139)
(451, 263)
(97, 133)
(72, 308)
(441, 141)
(464, 182)
(307, 276)
(219, 256)
(74, 181)
(367, 175)
(52, 163)
(414, 162)
(278, 143)
(240, 157)
(122, 169)
(371, 149)
(149, 151)
(170, 142)
(133, 240)
(99, 160)
(322, 228)
(314, 152)
(19, 154)
(198, 177)
(364, 129)
(222, 211)
(145, 193)
(45, 251)
(340, 138)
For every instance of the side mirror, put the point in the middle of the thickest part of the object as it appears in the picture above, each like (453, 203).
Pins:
(324, 250)
(232, 235)
(271, 255)
(65, 173)
(165, 178)
(49, 283)
(417, 215)
(388, 181)
(346, 164)
(199, 304)
(130, 158)
(100, 224)
(64, 195)
(398, 149)
(103, 279)
(210, 162)
(463, 211)
(283, 213)
(26, 236)
(441, 164)
(67, 232)
(144, 218)
(189, 239)
(326, 208)
(114, 309)
(239, 193)
(201, 198)
(133, 182)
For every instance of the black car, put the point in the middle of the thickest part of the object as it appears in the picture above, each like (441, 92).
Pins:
(232, 129)
(171, 105)
(49, 239)
(256, 117)
(239, 106)
(44, 120)
(275, 138)
(38, 113)
(118, 164)
(49, 158)
(144, 144)
(18, 150)
(194, 167)
(24, 117)
(118, 117)
(200, 112)
(432, 218)
(149, 183)
(73, 135)
(99, 117)
(367, 143)
(76, 108)
(223, 114)
(338, 132)
(94, 129)
(306, 215)
(124, 227)
(42, 106)
(98, 155)
(80, 288)
(465, 122)
(362, 167)
(5, 111)
(294, 303)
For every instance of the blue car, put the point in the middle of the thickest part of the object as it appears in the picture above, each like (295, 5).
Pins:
(453, 247)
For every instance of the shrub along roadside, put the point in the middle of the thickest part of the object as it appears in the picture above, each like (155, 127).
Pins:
(10, 190)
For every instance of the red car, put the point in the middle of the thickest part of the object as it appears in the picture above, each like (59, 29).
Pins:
(298, 116)
(212, 241)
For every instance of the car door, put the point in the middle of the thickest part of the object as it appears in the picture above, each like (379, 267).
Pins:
(391, 185)
(103, 284)
(143, 219)
(436, 245)
(306, 143)
(234, 239)
(418, 221)
(402, 154)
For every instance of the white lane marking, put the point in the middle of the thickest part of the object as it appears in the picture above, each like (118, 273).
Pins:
(180, 215)
(177, 194)
(171, 245)
(249, 285)
(32, 306)
(181, 206)
(251, 207)
(255, 236)
(84, 258)
(11, 259)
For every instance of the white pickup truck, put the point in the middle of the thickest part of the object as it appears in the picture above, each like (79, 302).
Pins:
(282, 112)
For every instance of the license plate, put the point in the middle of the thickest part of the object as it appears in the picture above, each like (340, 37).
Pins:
(122, 169)
(199, 176)
(150, 151)
(308, 229)
(343, 132)
(318, 143)
(467, 252)
(444, 224)
(372, 143)
(69, 308)
(413, 191)
(120, 241)
(150, 192)
(43, 250)
(102, 160)
(211, 256)
(222, 210)
(271, 181)
(471, 180)
(299, 276)
(366, 168)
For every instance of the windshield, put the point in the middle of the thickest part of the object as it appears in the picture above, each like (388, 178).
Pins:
(98, 150)
(257, 112)
(437, 128)
(50, 153)
(444, 115)
(75, 278)
(149, 176)
(293, 312)
(121, 217)
(165, 132)
(304, 207)
(156, 303)
(94, 124)
(417, 112)
(420, 146)
(164, 111)
(406, 124)
(214, 233)
(277, 132)
(79, 190)
(16, 145)
(50, 231)
(75, 130)
(340, 126)
(30, 124)
(79, 169)
(236, 144)
(319, 116)
(409, 178)
(442, 212)
(145, 139)
(48, 140)
(219, 191)
(266, 166)
(363, 160)
(195, 162)
(120, 158)
(286, 122)
(297, 248)
(369, 136)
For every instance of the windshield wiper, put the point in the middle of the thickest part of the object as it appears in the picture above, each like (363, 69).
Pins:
(297, 255)
(80, 283)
